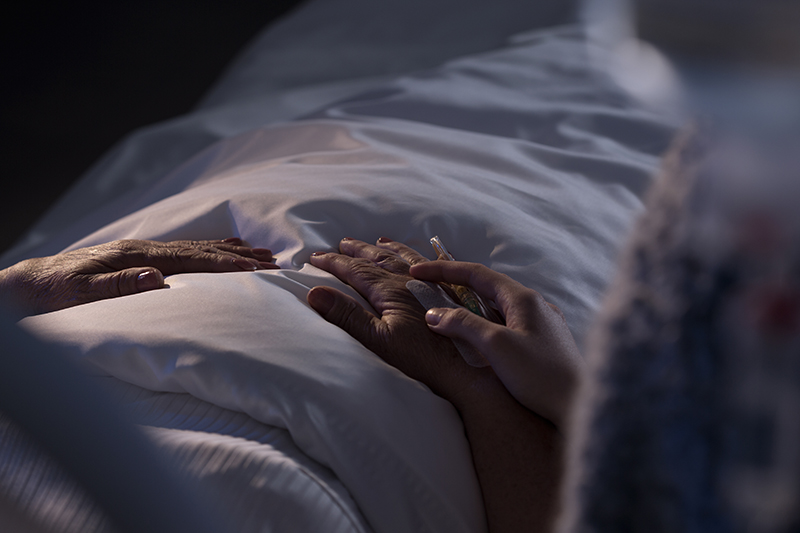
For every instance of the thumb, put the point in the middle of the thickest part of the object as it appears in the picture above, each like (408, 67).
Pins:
(343, 311)
(462, 324)
(125, 282)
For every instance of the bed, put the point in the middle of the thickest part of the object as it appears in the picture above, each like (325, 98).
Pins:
(488, 126)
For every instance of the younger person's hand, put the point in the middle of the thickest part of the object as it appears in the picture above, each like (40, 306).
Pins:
(534, 354)
(517, 453)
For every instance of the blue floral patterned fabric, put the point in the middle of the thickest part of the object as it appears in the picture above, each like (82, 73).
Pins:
(690, 422)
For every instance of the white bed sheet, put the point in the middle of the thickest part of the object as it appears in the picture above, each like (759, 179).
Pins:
(526, 159)
(324, 51)
(253, 471)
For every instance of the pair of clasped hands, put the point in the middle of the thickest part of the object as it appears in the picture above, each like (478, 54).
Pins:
(533, 354)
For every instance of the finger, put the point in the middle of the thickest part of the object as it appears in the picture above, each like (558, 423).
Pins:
(459, 323)
(385, 259)
(233, 245)
(124, 282)
(172, 258)
(190, 259)
(482, 279)
(236, 241)
(345, 312)
(532, 371)
(260, 254)
(230, 240)
(519, 304)
(406, 252)
(359, 273)
(384, 290)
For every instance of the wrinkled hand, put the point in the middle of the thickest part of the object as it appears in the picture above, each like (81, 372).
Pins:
(534, 354)
(118, 268)
(516, 452)
(399, 335)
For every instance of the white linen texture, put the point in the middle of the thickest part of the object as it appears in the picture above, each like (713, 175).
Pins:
(526, 159)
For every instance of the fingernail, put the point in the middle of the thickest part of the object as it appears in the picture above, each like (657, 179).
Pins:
(318, 254)
(263, 252)
(267, 266)
(321, 300)
(433, 316)
(232, 240)
(245, 264)
(148, 280)
(347, 239)
(385, 240)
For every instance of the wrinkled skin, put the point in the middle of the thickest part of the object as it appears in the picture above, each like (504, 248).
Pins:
(517, 451)
(118, 268)
(533, 354)
(380, 273)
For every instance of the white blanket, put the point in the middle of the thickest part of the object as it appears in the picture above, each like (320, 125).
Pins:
(526, 159)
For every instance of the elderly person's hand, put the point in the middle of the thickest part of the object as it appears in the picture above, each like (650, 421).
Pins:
(399, 334)
(534, 354)
(118, 268)
(517, 453)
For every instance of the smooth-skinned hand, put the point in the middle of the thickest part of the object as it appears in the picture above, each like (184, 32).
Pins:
(533, 354)
(119, 268)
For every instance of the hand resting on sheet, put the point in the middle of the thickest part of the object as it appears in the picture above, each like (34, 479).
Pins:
(118, 268)
(512, 410)
(380, 273)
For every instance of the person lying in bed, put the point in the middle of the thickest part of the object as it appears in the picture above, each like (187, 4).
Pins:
(118, 268)
(514, 411)
(683, 423)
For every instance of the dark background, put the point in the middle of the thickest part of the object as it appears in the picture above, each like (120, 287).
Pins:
(79, 75)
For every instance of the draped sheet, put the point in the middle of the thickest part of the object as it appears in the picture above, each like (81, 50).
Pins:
(526, 159)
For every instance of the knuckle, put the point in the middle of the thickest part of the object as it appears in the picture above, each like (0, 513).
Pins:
(475, 271)
(459, 315)
(121, 246)
(185, 252)
(87, 289)
(396, 247)
(115, 252)
(360, 264)
(390, 260)
(557, 311)
(346, 317)
(454, 319)
(384, 256)
(495, 340)
(131, 244)
(119, 284)
(536, 300)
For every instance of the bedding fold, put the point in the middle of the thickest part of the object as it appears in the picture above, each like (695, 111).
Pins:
(526, 159)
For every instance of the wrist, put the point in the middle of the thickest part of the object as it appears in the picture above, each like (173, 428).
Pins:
(10, 293)
(483, 390)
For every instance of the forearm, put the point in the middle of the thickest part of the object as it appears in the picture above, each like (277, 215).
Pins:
(518, 457)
